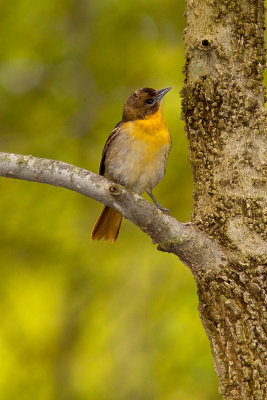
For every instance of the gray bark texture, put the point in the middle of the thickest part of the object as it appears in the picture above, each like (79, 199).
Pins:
(223, 107)
(225, 243)
(193, 247)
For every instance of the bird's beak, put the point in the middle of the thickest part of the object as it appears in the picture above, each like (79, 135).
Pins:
(162, 92)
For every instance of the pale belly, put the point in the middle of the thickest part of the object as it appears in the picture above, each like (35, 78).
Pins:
(135, 163)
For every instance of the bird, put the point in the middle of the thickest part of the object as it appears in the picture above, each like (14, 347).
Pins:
(135, 154)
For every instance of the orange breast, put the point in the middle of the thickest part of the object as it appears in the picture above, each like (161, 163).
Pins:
(151, 130)
(137, 157)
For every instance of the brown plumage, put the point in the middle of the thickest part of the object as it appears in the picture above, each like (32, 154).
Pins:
(135, 154)
(107, 225)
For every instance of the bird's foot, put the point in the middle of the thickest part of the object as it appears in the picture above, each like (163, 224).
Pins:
(164, 210)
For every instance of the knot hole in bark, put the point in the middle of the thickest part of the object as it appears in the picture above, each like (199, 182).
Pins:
(115, 189)
(205, 43)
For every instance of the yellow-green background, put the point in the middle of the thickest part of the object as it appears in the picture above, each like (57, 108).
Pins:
(82, 320)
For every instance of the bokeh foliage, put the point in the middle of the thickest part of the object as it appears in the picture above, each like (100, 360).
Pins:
(82, 320)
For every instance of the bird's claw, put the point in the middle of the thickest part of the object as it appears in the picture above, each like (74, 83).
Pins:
(164, 210)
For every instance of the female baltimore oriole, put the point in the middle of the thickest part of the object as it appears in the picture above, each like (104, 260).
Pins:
(135, 154)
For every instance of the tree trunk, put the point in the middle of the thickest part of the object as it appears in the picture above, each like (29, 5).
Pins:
(223, 107)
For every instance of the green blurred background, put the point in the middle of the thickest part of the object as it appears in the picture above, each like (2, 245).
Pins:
(82, 320)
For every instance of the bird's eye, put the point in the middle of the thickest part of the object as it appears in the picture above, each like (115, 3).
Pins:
(149, 101)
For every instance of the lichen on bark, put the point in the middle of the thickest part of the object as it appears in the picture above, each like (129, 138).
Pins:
(223, 108)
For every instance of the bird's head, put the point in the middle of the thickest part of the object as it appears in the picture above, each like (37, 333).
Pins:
(142, 103)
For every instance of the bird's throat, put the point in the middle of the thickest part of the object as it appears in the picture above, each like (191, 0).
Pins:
(151, 129)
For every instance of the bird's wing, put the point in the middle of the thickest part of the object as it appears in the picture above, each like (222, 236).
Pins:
(111, 137)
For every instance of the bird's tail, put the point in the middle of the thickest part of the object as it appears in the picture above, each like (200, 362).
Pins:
(107, 225)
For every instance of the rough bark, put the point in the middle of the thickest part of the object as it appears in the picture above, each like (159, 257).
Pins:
(223, 107)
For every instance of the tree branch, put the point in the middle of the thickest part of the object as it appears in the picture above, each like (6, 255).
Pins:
(193, 247)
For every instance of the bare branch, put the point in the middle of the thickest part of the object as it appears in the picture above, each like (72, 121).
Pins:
(193, 247)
